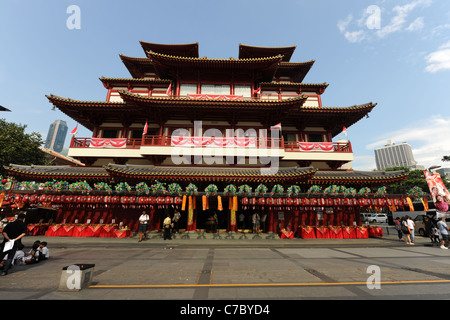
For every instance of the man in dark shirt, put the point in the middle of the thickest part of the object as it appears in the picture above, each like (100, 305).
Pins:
(13, 231)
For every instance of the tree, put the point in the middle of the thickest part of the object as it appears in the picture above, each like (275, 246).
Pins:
(445, 158)
(19, 147)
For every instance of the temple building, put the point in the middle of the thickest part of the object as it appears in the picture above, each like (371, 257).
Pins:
(211, 135)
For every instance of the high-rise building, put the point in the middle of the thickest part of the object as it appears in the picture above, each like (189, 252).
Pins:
(395, 155)
(56, 136)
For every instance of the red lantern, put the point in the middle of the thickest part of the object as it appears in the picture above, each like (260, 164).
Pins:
(297, 201)
(26, 198)
(262, 201)
(244, 201)
(178, 200)
(169, 200)
(289, 201)
(252, 201)
(107, 199)
(34, 198)
(160, 200)
(115, 199)
(42, 198)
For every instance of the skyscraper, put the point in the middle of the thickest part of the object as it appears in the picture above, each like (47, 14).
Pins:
(56, 136)
(395, 155)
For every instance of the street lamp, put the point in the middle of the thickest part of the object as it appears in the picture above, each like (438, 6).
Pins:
(433, 167)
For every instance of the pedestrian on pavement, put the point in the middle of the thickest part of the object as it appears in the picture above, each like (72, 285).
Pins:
(443, 230)
(241, 221)
(411, 226)
(263, 222)
(256, 222)
(167, 225)
(398, 227)
(176, 219)
(12, 235)
(143, 225)
(406, 232)
(429, 226)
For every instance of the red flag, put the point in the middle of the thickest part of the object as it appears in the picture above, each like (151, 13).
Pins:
(258, 91)
(145, 128)
(75, 130)
(276, 127)
(169, 89)
(344, 131)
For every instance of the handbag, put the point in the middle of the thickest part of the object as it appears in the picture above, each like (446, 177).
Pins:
(405, 229)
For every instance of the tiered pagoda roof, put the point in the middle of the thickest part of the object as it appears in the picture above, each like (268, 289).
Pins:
(137, 173)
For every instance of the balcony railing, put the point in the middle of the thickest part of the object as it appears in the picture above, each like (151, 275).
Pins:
(245, 142)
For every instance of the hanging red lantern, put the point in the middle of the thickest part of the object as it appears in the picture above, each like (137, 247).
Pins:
(244, 201)
(289, 201)
(107, 199)
(169, 200)
(297, 201)
(160, 200)
(262, 201)
(34, 198)
(115, 199)
(252, 201)
(178, 200)
(26, 198)
(42, 198)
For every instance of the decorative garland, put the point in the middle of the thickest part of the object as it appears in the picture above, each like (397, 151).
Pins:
(261, 190)
(211, 190)
(102, 186)
(381, 192)
(142, 188)
(293, 191)
(191, 189)
(174, 189)
(81, 186)
(314, 189)
(230, 190)
(122, 187)
(277, 189)
(350, 192)
(245, 190)
(158, 188)
(364, 191)
(416, 193)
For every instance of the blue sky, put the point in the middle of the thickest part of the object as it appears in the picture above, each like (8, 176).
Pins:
(392, 52)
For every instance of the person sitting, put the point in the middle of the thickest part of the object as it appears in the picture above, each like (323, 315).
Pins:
(44, 252)
(32, 256)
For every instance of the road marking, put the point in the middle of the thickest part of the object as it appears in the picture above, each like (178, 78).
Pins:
(266, 284)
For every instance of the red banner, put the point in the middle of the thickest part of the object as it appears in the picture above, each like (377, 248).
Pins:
(439, 193)
(108, 143)
(180, 141)
(316, 146)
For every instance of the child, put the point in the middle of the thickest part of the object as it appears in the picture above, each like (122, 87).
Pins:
(32, 256)
(44, 252)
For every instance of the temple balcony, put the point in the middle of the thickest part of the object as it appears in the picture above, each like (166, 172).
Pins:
(160, 145)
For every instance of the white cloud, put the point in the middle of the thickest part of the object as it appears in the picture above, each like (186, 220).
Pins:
(418, 24)
(439, 60)
(428, 139)
(399, 22)
(355, 36)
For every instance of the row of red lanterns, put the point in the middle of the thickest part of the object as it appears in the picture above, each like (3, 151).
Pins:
(376, 202)
(76, 199)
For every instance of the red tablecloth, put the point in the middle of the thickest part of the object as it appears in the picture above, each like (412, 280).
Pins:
(335, 232)
(37, 229)
(375, 232)
(307, 232)
(348, 233)
(322, 232)
(69, 230)
(362, 232)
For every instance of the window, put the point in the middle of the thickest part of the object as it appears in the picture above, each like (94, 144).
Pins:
(216, 89)
(315, 137)
(188, 88)
(242, 90)
(109, 133)
(289, 136)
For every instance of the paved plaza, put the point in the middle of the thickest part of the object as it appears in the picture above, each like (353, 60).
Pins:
(237, 269)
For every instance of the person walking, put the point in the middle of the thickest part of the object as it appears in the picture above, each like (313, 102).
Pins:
(143, 225)
(443, 230)
(411, 226)
(12, 239)
(176, 219)
(398, 227)
(429, 226)
(406, 232)
(167, 225)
